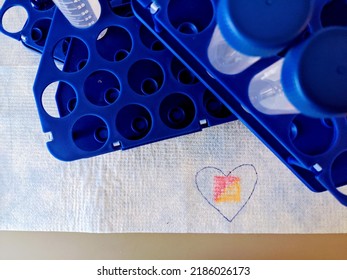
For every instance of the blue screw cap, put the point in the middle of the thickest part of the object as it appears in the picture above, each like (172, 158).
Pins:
(262, 27)
(314, 74)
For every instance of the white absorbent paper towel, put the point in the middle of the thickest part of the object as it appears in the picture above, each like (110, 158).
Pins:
(176, 185)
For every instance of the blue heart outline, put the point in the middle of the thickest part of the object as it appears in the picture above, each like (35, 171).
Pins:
(226, 175)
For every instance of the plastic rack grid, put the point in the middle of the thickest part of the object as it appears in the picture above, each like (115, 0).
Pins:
(315, 150)
(118, 86)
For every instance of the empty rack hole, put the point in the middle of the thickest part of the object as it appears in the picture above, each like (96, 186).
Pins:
(90, 133)
(101, 134)
(146, 77)
(14, 19)
(303, 132)
(149, 86)
(70, 54)
(214, 106)
(123, 9)
(139, 124)
(176, 115)
(42, 5)
(39, 31)
(71, 104)
(102, 88)
(188, 28)
(134, 122)
(149, 40)
(186, 77)
(186, 15)
(182, 73)
(120, 55)
(114, 43)
(111, 95)
(58, 99)
(177, 111)
(36, 34)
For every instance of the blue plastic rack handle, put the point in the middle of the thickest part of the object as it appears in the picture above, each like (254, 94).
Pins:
(315, 150)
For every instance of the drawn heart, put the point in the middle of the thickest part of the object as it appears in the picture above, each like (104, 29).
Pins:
(230, 192)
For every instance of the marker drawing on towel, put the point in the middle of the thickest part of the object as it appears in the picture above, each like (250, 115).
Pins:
(230, 192)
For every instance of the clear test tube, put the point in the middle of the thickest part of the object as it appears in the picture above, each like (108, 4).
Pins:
(311, 79)
(266, 92)
(226, 59)
(80, 13)
(248, 30)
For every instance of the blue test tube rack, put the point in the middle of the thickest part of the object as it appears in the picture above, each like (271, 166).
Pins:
(112, 86)
(313, 149)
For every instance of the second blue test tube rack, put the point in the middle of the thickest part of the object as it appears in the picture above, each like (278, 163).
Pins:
(314, 149)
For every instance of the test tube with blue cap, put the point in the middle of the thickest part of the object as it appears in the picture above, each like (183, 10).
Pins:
(311, 79)
(249, 30)
(80, 13)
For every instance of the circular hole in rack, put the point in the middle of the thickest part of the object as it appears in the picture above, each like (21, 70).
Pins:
(36, 34)
(182, 73)
(123, 9)
(71, 104)
(58, 99)
(111, 95)
(81, 64)
(139, 124)
(190, 16)
(214, 107)
(149, 40)
(177, 111)
(187, 77)
(188, 28)
(8, 20)
(134, 122)
(114, 43)
(120, 55)
(145, 77)
(149, 86)
(90, 133)
(157, 46)
(40, 30)
(334, 13)
(102, 88)
(176, 115)
(101, 134)
(303, 132)
(42, 5)
(70, 54)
